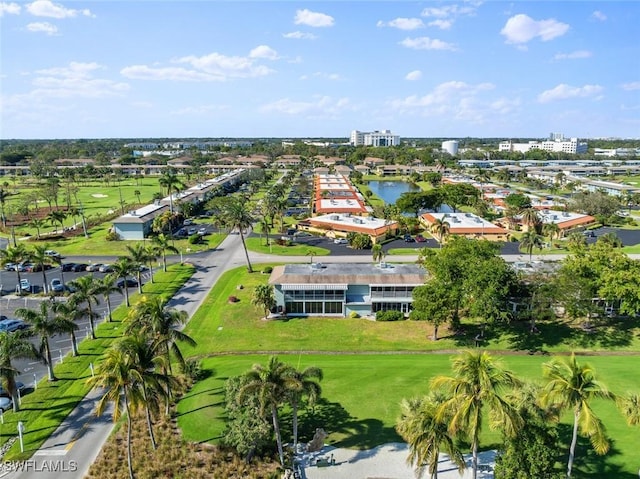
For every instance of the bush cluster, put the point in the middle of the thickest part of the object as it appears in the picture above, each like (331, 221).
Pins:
(389, 316)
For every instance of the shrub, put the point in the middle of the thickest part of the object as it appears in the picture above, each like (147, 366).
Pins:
(389, 316)
(233, 299)
(112, 236)
(354, 315)
(195, 239)
(267, 270)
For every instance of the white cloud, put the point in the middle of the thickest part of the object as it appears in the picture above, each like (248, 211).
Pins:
(403, 23)
(578, 54)
(634, 85)
(9, 8)
(211, 67)
(298, 35)
(44, 27)
(414, 75)
(46, 8)
(263, 51)
(426, 43)
(564, 91)
(317, 107)
(326, 76)
(198, 110)
(441, 24)
(313, 19)
(522, 28)
(598, 15)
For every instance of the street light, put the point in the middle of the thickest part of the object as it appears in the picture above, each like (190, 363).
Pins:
(20, 433)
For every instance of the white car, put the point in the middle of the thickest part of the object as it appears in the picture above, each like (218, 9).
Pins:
(340, 241)
(5, 403)
(51, 252)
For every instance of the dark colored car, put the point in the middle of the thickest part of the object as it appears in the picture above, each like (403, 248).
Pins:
(77, 267)
(131, 283)
(420, 239)
(408, 239)
(67, 266)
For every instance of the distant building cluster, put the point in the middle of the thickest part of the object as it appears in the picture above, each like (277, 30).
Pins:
(374, 138)
(556, 144)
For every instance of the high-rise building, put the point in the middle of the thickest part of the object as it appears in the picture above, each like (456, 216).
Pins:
(374, 138)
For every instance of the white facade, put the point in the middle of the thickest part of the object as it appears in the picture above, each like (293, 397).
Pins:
(450, 147)
(375, 138)
(569, 146)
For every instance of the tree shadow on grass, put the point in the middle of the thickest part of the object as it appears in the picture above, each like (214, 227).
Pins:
(520, 337)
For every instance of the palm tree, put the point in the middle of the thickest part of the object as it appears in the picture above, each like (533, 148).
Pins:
(161, 242)
(152, 253)
(4, 194)
(41, 259)
(427, 434)
(478, 382)
(377, 253)
(56, 217)
(37, 223)
(66, 315)
(530, 217)
(136, 193)
(238, 215)
(576, 241)
(172, 183)
(106, 287)
(16, 255)
(271, 385)
(13, 346)
(117, 375)
(304, 383)
(138, 255)
(441, 228)
(529, 240)
(44, 326)
(611, 239)
(572, 385)
(122, 268)
(630, 407)
(85, 292)
(552, 230)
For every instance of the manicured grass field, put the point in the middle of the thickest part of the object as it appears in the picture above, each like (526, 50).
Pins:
(43, 410)
(361, 394)
(296, 249)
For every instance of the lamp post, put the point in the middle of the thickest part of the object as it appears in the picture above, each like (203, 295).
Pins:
(20, 433)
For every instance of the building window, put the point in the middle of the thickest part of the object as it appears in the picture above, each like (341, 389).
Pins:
(333, 308)
(294, 307)
(313, 307)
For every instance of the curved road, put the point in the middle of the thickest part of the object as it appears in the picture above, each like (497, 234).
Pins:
(74, 446)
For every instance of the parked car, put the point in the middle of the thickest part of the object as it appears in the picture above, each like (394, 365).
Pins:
(77, 267)
(25, 285)
(105, 268)
(38, 267)
(57, 286)
(420, 239)
(408, 238)
(67, 266)
(202, 231)
(13, 325)
(4, 318)
(5, 403)
(341, 241)
(131, 283)
(187, 222)
(191, 231)
(51, 252)
(94, 268)
(20, 386)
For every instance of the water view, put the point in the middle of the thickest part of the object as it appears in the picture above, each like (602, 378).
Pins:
(390, 191)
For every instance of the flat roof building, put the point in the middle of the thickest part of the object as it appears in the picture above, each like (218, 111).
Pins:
(467, 225)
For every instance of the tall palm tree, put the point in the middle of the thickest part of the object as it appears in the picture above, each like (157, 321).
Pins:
(427, 434)
(441, 228)
(573, 385)
(304, 383)
(38, 224)
(238, 215)
(161, 242)
(377, 253)
(13, 346)
(529, 240)
(138, 255)
(66, 315)
(172, 183)
(478, 382)
(106, 287)
(40, 258)
(117, 376)
(530, 217)
(14, 254)
(4, 194)
(44, 326)
(152, 253)
(552, 230)
(85, 292)
(630, 407)
(56, 217)
(271, 385)
(122, 268)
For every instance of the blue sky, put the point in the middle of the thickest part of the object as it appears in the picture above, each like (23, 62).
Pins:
(94, 69)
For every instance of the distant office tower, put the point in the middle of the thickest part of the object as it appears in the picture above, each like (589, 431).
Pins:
(375, 138)
(450, 147)
(556, 136)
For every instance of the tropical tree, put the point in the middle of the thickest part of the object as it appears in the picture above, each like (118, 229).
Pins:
(138, 256)
(118, 377)
(41, 259)
(4, 194)
(56, 217)
(136, 193)
(576, 242)
(427, 434)
(573, 385)
(38, 224)
(552, 230)
(44, 326)
(172, 183)
(630, 407)
(377, 253)
(304, 383)
(85, 292)
(122, 268)
(66, 315)
(106, 287)
(16, 255)
(611, 239)
(441, 228)
(237, 214)
(529, 240)
(530, 217)
(13, 346)
(264, 298)
(478, 383)
(271, 384)
(161, 242)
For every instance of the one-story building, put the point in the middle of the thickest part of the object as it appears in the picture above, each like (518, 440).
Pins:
(136, 225)
(467, 225)
(316, 289)
(338, 225)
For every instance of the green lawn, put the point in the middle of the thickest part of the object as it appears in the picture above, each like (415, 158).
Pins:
(43, 410)
(258, 245)
(361, 394)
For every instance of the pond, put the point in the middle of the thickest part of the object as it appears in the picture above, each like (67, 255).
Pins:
(390, 191)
